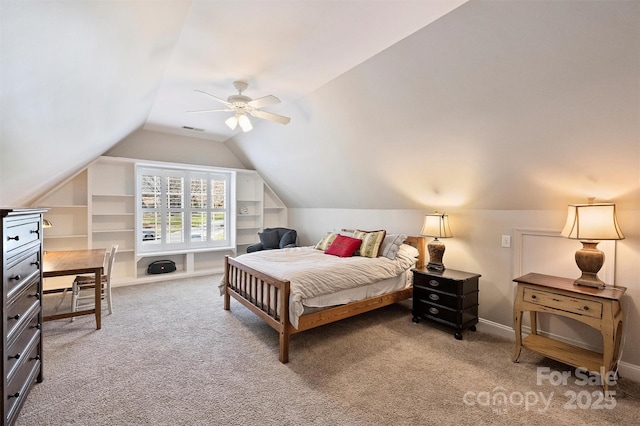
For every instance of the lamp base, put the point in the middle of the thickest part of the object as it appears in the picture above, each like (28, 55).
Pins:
(436, 251)
(589, 259)
(589, 280)
(435, 266)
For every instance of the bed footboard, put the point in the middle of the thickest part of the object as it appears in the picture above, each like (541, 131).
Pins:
(264, 295)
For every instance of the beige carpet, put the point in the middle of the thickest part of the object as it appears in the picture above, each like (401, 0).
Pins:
(170, 355)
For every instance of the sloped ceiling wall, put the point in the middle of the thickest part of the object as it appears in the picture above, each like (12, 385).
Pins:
(75, 82)
(497, 105)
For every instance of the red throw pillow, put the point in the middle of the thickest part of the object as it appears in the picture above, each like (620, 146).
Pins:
(343, 246)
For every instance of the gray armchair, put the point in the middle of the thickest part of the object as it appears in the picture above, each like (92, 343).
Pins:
(275, 238)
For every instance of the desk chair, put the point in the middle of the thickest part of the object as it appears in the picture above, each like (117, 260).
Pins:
(84, 282)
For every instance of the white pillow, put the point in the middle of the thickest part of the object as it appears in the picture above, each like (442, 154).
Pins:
(391, 245)
(408, 251)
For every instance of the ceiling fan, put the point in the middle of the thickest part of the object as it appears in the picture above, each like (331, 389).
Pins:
(243, 105)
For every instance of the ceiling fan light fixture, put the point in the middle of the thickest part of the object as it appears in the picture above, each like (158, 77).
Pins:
(232, 122)
(245, 123)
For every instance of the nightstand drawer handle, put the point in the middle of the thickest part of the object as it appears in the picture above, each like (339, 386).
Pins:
(16, 356)
(586, 308)
(15, 317)
(17, 238)
(17, 278)
(434, 311)
(434, 283)
(15, 395)
(533, 296)
(434, 296)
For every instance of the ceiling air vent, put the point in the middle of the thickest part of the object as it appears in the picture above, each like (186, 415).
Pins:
(195, 129)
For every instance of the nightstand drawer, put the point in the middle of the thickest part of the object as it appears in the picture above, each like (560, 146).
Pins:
(446, 299)
(450, 316)
(562, 302)
(445, 285)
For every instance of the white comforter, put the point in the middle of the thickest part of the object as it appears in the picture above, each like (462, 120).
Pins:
(313, 273)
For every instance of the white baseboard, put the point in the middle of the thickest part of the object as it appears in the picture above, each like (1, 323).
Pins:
(626, 370)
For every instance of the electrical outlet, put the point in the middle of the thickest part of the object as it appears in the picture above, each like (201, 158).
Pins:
(506, 241)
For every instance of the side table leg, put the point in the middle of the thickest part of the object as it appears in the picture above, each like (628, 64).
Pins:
(517, 325)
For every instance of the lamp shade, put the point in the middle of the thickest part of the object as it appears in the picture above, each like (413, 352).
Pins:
(436, 225)
(592, 222)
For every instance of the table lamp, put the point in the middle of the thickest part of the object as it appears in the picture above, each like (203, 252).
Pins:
(591, 223)
(436, 225)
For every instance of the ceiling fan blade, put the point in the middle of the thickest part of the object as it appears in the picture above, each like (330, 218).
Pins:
(264, 101)
(271, 116)
(214, 97)
(212, 110)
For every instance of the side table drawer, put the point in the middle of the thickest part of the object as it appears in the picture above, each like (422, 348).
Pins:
(561, 302)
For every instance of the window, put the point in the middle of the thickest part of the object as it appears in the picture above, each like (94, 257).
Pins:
(183, 209)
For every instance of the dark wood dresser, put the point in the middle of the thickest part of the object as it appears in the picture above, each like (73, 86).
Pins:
(21, 307)
(448, 297)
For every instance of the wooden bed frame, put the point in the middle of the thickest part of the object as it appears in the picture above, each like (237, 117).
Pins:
(257, 291)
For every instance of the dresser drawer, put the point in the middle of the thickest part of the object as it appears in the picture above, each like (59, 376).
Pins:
(17, 350)
(25, 375)
(446, 299)
(27, 301)
(20, 232)
(561, 302)
(22, 271)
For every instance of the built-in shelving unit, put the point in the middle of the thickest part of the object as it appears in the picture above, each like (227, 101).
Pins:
(96, 208)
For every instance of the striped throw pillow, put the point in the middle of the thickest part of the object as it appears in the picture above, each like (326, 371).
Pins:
(326, 241)
(371, 242)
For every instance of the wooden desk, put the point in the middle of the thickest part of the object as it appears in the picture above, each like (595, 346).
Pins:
(76, 262)
(598, 308)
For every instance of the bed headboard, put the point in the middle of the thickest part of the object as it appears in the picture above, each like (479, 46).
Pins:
(420, 244)
(417, 242)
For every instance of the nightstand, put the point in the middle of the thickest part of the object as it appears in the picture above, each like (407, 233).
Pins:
(448, 297)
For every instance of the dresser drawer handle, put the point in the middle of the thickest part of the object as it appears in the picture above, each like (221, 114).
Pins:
(16, 356)
(434, 296)
(15, 395)
(434, 283)
(533, 296)
(15, 317)
(36, 263)
(17, 238)
(586, 308)
(36, 295)
(35, 358)
(35, 231)
(17, 278)
(434, 311)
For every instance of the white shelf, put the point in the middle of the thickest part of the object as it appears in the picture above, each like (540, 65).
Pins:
(96, 208)
(54, 237)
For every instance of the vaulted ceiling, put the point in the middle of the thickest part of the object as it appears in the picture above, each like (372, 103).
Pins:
(394, 104)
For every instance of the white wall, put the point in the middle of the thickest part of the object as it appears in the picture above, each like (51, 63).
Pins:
(476, 247)
(156, 146)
